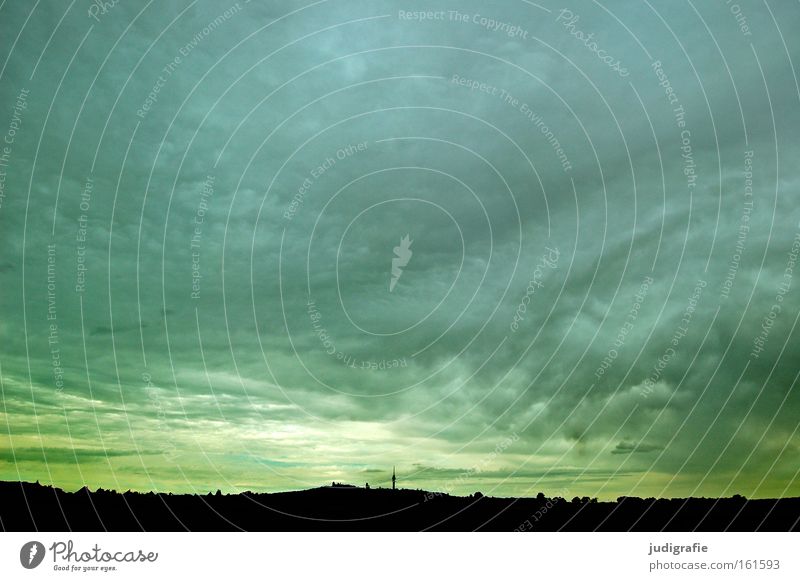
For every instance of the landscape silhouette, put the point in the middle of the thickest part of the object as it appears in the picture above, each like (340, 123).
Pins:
(28, 506)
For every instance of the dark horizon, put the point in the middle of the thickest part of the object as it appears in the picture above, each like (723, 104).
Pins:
(378, 486)
(340, 507)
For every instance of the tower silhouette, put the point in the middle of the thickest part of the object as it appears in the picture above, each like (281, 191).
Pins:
(394, 479)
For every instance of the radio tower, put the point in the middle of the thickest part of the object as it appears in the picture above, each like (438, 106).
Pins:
(394, 479)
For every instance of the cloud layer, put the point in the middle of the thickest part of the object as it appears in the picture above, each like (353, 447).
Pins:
(202, 204)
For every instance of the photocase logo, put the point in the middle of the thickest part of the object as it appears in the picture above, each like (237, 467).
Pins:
(402, 256)
(31, 554)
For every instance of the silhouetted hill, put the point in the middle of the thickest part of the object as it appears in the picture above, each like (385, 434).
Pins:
(27, 507)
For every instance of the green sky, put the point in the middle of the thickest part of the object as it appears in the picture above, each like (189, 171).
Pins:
(201, 203)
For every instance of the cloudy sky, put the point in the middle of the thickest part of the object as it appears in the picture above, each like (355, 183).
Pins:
(205, 283)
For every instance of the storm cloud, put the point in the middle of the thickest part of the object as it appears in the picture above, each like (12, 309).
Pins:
(509, 247)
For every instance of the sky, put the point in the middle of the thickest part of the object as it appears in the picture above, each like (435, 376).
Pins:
(509, 247)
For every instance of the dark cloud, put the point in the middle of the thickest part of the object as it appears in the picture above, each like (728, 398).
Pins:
(635, 448)
(224, 202)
